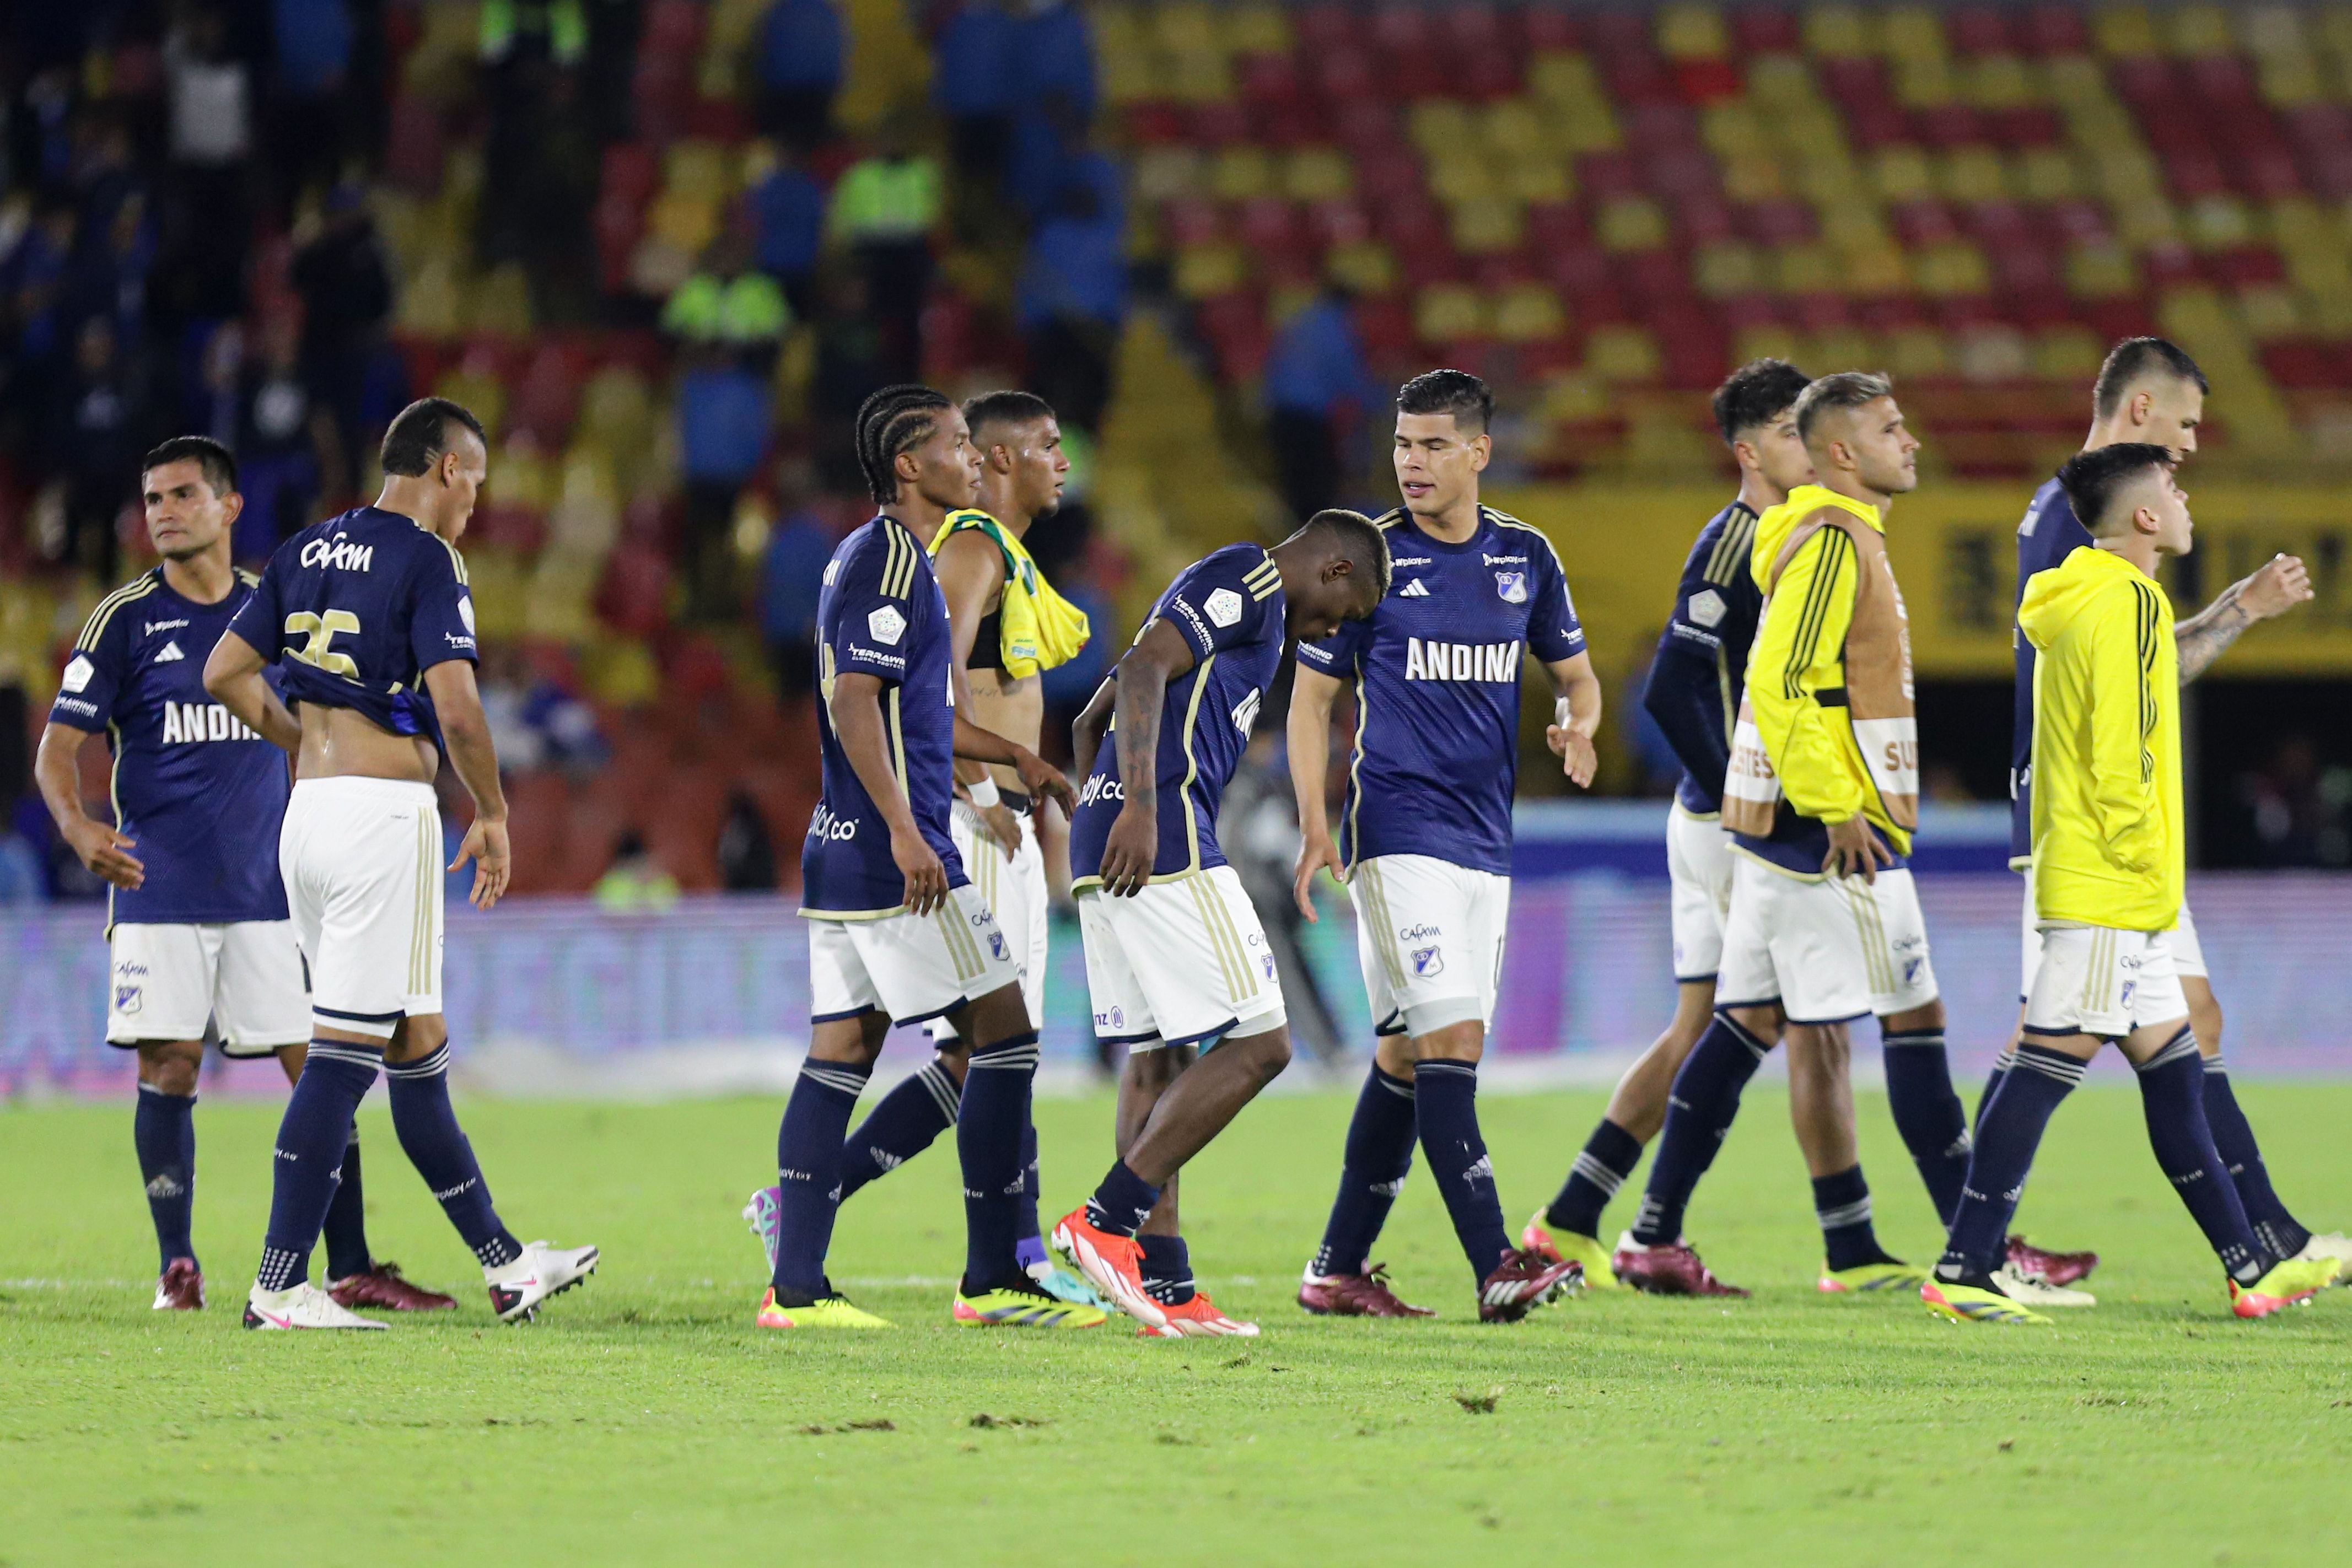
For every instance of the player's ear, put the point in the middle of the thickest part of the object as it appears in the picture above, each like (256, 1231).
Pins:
(1481, 450)
(232, 508)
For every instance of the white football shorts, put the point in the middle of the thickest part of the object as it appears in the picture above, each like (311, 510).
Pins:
(1698, 869)
(1429, 935)
(1827, 950)
(2096, 980)
(362, 860)
(246, 976)
(915, 968)
(1015, 892)
(1182, 962)
(2187, 953)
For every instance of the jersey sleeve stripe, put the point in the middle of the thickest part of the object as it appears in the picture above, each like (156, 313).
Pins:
(1806, 644)
(94, 627)
(1506, 520)
(2144, 628)
(457, 561)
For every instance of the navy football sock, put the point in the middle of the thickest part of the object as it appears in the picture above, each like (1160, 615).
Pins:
(808, 1172)
(311, 1141)
(1842, 1203)
(164, 1129)
(992, 1127)
(345, 1232)
(1927, 1113)
(427, 1127)
(1700, 1109)
(2006, 1135)
(2001, 1064)
(2279, 1232)
(1607, 1158)
(2172, 1096)
(1166, 1270)
(906, 1121)
(1446, 1105)
(1123, 1202)
(1371, 1173)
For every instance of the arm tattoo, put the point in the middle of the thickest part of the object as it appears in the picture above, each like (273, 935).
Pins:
(2203, 637)
(1141, 689)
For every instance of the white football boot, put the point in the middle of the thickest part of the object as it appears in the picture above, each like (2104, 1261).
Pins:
(304, 1307)
(2032, 1290)
(543, 1270)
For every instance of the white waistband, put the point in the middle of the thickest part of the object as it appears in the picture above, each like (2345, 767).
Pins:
(359, 786)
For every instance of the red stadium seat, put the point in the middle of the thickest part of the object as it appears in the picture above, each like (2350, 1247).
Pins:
(1553, 225)
(1980, 30)
(1707, 81)
(1765, 30)
(1549, 27)
(1326, 27)
(1269, 224)
(2244, 265)
(2057, 29)
(1403, 30)
(673, 28)
(1782, 220)
(1384, 325)
(1704, 217)
(1193, 220)
(1608, 175)
(2305, 364)
(1267, 80)
(1945, 126)
(1638, 75)
(415, 149)
(632, 172)
(1341, 221)
(1349, 73)
(1875, 122)
(2021, 125)
(1924, 222)
(1220, 125)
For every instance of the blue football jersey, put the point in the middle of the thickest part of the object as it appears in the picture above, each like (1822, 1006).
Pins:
(1229, 607)
(1717, 607)
(201, 794)
(2050, 533)
(356, 610)
(880, 612)
(1436, 672)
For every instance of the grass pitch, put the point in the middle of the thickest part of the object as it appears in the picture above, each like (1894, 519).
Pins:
(644, 1420)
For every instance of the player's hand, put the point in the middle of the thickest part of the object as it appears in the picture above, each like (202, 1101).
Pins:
(1854, 849)
(2282, 583)
(927, 877)
(1317, 853)
(1129, 850)
(1577, 760)
(486, 846)
(999, 822)
(106, 853)
(1040, 777)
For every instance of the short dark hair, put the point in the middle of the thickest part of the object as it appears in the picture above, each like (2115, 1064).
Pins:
(2134, 360)
(2092, 479)
(1357, 538)
(1846, 389)
(894, 420)
(218, 462)
(1757, 393)
(1008, 407)
(1470, 400)
(419, 436)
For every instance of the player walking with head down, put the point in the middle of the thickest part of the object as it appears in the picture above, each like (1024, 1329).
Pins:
(1426, 836)
(195, 910)
(1175, 957)
(897, 933)
(371, 616)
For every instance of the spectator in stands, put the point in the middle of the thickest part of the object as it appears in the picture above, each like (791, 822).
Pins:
(801, 62)
(540, 161)
(722, 430)
(276, 438)
(207, 217)
(109, 276)
(636, 884)
(312, 53)
(977, 85)
(884, 209)
(786, 209)
(1072, 294)
(1055, 56)
(790, 574)
(1047, 138)
(849, 369)
(100, 428)
(724, 303)
(1317, 387)
(346, 289)
(746, 856)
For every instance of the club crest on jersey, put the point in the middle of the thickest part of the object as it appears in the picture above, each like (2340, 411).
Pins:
(1512, 586)
(1428, 963)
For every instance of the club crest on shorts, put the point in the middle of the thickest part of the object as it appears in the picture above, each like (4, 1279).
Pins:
(996, 945)
(1911, 967)
(1512, 586)
(127, 998)
(1428, 963)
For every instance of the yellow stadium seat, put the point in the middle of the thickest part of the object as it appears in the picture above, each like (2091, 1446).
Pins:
(1691, 32)
(1729, 267)
(2272, 31)
(1131, 76)
(526, 479)
(1318, 174)
(1917, 353)
(1781, 80)
(1808, 269)
(2272, 310)
(1487, 226)
(1839, 30)
(1538, 179)
(1205, 271)
(2101, 272)
(494, 576)
(700, 171)
(1631, 223)
(2126, 174)
(687, 221)
(1996, 82)
(1197, 76)
(1972, 174)
(1621, 355)
(2125, 30)
(1928, 80)
(1729, 128)
(2068, 353)
(2050, 174)
(1463, 172)
(1768, 341)
(1449, 312)
(2200, 30)
(1365, 265)
(1515, 128)
(1753, 175)
(1876, 271)
(1185, 26)
(2291, 80)
(1828, 178)
(1530, 313)
(500, 303)
(1912, 33)
(1901, 172)
(1257, 30)
(1841, 348)
(1163, 172)
(2222, 223)
(1954, 268)
(1118, 29)
(1442, 127)
(1239, 174)
(431, 305)
(1808, 127)
(1573, 397)
(2334, 25)
(1996, 353)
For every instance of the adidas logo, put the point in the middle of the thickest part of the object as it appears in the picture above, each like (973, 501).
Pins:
(170, 652)
(165, 1186)
(1417, 588)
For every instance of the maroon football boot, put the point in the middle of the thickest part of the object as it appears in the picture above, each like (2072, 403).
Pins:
(381, 1287)
(1364, 1295)
(1669, 1269)
(1522, 1283)
(2050, 1268)
(181, 1288)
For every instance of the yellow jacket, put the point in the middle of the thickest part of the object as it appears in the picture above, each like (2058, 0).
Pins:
(2109, 848)
(1804, 717)
(1041, 629)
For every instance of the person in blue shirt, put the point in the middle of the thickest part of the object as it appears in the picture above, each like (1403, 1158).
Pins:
(792, 575)
(196, 915)
(723, 418)
(976, 82)
(1315, 376)
(1425, 840)
(1176, 958)
(786, 206)
(1072, 292)
(1055, 56)
(367, 619)
(803, 60)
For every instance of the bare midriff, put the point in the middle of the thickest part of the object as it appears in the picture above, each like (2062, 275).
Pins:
(342, 743)
(1014, 708)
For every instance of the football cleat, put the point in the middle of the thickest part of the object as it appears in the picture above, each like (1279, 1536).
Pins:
(760, 1212)
(1976, 1303)
(1364, 1295)
(1523, 1282)
(1196, 1319)
(543, 1270)
(1026, 1305)
(304, 1307)
(2056, 1268)
(2295, 1281)
(1568, 1246)
(1064, 1286)
(1886, 1275)
(825, 1312)
(180, 1287)
(2336, 1245)
(1114, 1264)
(382, 1287)
(1669, 1269)
(2037, 1292)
